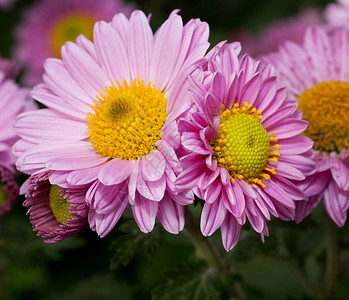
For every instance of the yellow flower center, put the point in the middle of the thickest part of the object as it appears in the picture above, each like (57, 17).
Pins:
(127, 120)
(326, 107)
(68, 27)
(3, 195)
(59, 205)
(243, 146)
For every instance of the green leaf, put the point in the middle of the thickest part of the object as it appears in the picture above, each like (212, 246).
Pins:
(132, 241)
(193, 282)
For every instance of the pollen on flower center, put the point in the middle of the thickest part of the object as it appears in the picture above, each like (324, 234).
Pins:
(59, 205)
(3, 195)
(68, 28)
(243, 146)
(326, 107)
(127, 120)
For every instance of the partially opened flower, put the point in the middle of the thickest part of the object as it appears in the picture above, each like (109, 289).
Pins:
(55, 213)
(316, 74)
(13, 101)
(337, 13)
(110, 120)
(48, 24)
(243, 143)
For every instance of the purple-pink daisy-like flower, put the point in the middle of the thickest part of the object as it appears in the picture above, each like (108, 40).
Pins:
(243, 144)
(272, 35)
(6, 4)
(337, 14)
(9, 67)
(48, 24)
(13, 101)
(55, 213)
(110, 120)
(316, 74)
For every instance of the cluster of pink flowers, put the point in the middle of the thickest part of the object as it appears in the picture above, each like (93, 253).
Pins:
(147, 121)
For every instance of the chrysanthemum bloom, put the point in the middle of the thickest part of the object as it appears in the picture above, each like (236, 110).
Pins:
(110, 120)
(48, 24)
(6, 4)
(337, 13)
(244, 145)
(13, 100)
(55, 213)
(10, 68)
(272, 35)
(316, 74)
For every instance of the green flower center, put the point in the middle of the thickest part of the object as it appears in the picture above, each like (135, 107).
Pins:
(243, 146)
(59, 205)
(326, 107)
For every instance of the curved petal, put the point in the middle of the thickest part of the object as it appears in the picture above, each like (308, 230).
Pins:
(171, 215)
(212, 217)
(144, 212)
(230, 230)
(152, 190)
(153, 166)
(140, 45)
(116, 171)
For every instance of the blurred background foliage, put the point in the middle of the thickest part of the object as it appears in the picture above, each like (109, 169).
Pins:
(127, 264)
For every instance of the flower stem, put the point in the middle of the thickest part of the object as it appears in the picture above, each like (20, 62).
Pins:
(207, 251)
(331, 255)
(203, 245)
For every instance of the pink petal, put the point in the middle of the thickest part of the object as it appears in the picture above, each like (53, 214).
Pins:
(230, 230)
(133, 181)
(288, 128)
(295, 145)
(166, 50)
(116, 171)
(212, 217)
(152, 190)
(84, 69)
(340, 171)
(171, 215)
(144, 212)
(332, 198)
(275, 191)
(107, 43)
(153, 166)
(190, 176)
(140, 45)
(213, 191)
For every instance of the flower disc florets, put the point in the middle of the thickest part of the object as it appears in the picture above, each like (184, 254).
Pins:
(326, 107)
(127, 120)
(242, 145)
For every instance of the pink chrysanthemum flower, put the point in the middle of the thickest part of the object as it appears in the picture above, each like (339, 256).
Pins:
(13, 100)
(270, 37)
(10, 68)
(337, 13)
(110, 120)
(244, 145)
(55, 213)
(48, 24)
(316, 74)
(6, 4)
